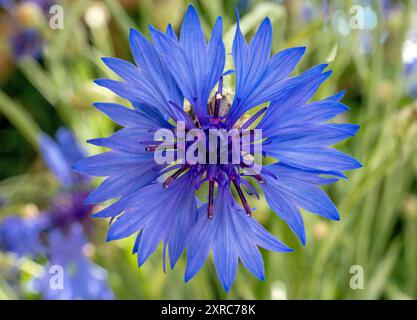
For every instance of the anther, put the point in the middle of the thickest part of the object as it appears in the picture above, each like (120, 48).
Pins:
(242, 199)
(218, 98)
(153, 147)
(257, 176)
(210, 207)
(171, 178)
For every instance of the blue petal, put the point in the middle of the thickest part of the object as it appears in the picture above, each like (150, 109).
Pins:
(170, 52)
(301, 192)
(125, 91)
(55, 159)
(192, 35)
(258, 77)
(311, 136)
(226, 266)
(136, 245)
(231, 235)
(326, 159)
(284, 62)
(195, 66)
(160, 215)
(147, 59)
(151, 237)
(181, 226)
(215, 55)
(283, 114)
(284, 208)
(124, 116)
(129, 140)
(171, 33)
(241, 60)
(294, 87)
(251, 61)
(225, 254)
(112, 163)
(338, 96)
(283, 171)
(260, 48)
(146, 83)
(199, 242)
(116, 208)
(116, 186)
(69, 145)
(265, 239)
(248, 251)
(269, 88)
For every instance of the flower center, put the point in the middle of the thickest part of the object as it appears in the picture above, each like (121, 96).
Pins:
(213, 154)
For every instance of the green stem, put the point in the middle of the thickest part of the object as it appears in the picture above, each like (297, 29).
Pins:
(20, 118)
(39, 79)
(122, 19)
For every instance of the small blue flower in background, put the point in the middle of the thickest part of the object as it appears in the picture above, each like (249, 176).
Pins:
(22, 236)
(26, 39)
(243, 5)
(26, 43)
(411, 79)
(60, 233)
(158, 201)
(409, 58)
(60, 154)
(81, 279)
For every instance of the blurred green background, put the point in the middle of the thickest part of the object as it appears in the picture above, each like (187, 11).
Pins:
(372, 48)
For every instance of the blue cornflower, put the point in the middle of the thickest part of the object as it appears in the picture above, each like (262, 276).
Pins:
(68, 225)
(26, 39)
(22, 236)
(60, 154)
(26, 43)
(60, 233)
(409, 58)
(80, 278)
(158, 201)
(68, 206)
(43, 5)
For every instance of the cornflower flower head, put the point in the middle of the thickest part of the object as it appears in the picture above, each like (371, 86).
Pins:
(68, 205)
(178, 82)
(76, 276)
(69, 225)
(21, 236)
(60, 232)
(25, 16)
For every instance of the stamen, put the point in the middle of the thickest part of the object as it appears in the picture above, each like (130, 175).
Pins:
(257, 176)
(196, 121)
(171, 179)
(153, 147)
(218, 98)
(242, 199)
(211, 106)
(210, 208)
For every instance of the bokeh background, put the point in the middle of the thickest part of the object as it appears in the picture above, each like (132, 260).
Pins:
(46, 83)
